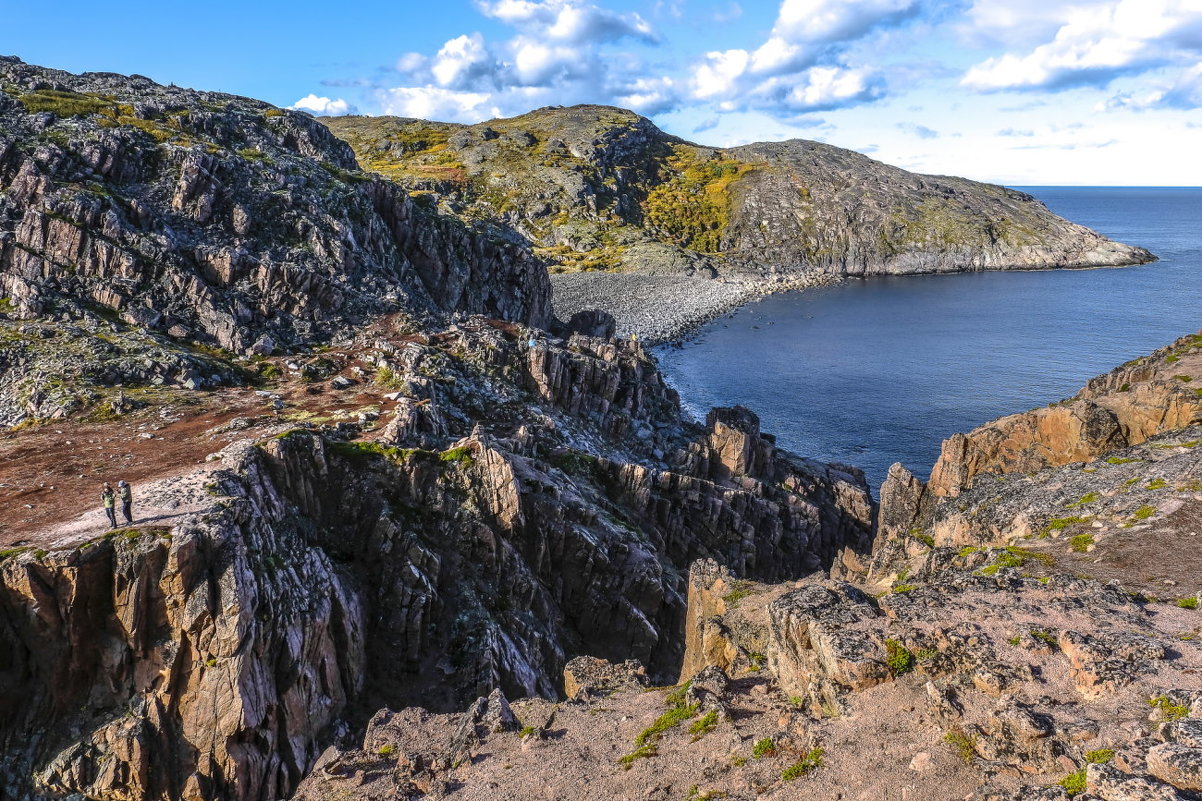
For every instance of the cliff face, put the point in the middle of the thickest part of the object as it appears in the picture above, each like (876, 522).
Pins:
(222, 219)
(520, 506)
(596, 188)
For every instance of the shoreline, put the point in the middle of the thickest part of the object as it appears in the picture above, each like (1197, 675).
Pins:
(660, 309)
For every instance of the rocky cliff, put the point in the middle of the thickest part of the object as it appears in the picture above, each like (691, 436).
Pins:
(514, 508)
(593, 187)
(221, 219)
(1035, 636)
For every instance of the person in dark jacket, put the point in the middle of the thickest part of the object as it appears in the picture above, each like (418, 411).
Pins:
(109, 499)
(127, 500)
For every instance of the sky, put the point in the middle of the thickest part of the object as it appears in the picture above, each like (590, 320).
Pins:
(1021, 92)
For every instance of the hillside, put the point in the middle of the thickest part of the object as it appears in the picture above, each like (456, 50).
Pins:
(596, 188)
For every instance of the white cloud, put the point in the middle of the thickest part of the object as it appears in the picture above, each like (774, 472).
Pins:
(719, 73)
(1094, 44)
(462, 62)
(433, 103)
(569, 21)
(821, 89)
(648, 95)
(1184, 93)
(323, 106)
(836, 20)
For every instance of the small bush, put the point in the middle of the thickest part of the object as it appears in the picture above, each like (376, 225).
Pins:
(388, 378)
(1074, 783)
(1099, 757)
(1081, 542)
(764, 748)
(526, 732)
(904, 587)
(385, 750)
(1188, 603)
(898, 657)
(807, 764)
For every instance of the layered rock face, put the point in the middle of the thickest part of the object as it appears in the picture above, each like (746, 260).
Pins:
(522, 506)
(595, 188)
(222, 219)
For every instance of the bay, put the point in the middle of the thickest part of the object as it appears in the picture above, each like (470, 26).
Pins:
(881, 370)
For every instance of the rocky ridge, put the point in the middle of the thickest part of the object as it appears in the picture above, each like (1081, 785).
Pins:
(593, 187)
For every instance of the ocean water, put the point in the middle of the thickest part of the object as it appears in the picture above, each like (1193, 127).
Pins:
(881, 370)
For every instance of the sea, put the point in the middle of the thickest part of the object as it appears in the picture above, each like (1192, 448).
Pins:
(881, 370)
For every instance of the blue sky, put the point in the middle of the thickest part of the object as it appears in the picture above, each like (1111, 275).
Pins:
(1014, 91)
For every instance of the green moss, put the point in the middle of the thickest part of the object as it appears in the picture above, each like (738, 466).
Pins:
(669, 720)
(1188, 603)
(525, 732)
(1061, 523)
(1081, 542)
(642, 752)
(804, 766)
(1144, 512)
(1168, 710)
(461, 456)
(574, 462)
(385, 750)
(923, 537)
(1157, 483)
(8, 553)
(904, 587)
(704, 724)
(273, 112)
(738, 591)
(1101, 756)
(962, 744)
(1088, 497)
(1120, 460)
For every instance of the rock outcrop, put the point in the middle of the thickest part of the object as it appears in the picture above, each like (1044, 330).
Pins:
(594, 187)
(1099, 463)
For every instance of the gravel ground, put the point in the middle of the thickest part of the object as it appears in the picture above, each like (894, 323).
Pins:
(660, 308)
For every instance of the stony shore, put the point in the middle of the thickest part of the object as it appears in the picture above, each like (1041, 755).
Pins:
(662, 308)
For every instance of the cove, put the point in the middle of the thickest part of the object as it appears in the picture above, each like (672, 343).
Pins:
(880, 370)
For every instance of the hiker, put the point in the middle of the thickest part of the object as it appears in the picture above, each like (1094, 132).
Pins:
(532, 343)
(109, 499)
(127, 500)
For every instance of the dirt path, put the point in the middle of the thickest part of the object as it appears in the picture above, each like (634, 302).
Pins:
(51, 476)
